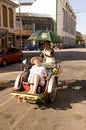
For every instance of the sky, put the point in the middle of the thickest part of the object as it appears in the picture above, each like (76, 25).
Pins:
(79, 7)
(48, 7)
(40, 6)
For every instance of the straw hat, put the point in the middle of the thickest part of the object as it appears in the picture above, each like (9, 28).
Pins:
(35, 58)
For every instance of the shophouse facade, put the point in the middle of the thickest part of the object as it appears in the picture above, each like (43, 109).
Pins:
(7, 22)
(27, 23)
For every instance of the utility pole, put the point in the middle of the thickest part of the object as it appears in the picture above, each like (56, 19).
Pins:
(20, 25)
(56, 16)
(22, 3)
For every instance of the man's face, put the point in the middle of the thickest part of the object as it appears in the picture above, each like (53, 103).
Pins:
(47, 46)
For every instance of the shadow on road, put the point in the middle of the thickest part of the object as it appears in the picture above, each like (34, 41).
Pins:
(70, 55)
(6, 84)
(2, 88)
(68, 92)
(63, 55)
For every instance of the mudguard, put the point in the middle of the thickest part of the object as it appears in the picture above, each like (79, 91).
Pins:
(50, 84)
(17, 81)
(20, 78)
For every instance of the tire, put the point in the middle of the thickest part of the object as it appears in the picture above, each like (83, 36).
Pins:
(20, 58)
(52, 95)
(4, 62)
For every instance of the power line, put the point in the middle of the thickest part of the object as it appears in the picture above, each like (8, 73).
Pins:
(80, 11)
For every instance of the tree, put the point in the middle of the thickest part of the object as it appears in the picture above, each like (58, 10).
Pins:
(78, 37)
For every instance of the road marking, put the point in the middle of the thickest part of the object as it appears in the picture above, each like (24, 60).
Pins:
(22, 117)
(34, 123)
(6, 101)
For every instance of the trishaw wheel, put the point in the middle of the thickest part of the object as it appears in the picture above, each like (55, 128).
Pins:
(52, 95)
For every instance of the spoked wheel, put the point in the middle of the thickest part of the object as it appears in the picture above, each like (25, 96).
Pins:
(52, 95)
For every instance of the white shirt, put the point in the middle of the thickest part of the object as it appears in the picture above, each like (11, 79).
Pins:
(37, 70)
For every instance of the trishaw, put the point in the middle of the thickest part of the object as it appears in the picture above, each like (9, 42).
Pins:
(48, 91)
(43, 94)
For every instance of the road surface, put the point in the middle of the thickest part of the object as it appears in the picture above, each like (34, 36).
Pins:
(68, 112)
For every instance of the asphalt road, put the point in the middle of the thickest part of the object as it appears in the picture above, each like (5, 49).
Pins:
(11, 71)
(68, 112)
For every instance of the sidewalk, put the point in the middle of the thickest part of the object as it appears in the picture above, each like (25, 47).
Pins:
(9, 75)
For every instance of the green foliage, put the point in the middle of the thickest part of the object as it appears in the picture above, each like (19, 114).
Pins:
(78, 37)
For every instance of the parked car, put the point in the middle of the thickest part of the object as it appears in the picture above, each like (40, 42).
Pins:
(9, 55)
(32, 47)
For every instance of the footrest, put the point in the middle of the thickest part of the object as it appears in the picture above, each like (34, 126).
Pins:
(31, 97)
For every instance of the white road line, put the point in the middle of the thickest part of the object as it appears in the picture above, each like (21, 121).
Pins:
(6, 102)
(34, 123)
(22, 117)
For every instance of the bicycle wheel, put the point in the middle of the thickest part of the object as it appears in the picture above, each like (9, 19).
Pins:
(52, 95)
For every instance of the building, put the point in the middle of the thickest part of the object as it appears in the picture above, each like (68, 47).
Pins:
(7, 22)
(18, 26)
(66, 22)
(27, 23)
(83, 40)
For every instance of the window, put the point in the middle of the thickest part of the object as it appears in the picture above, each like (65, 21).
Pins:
(0, 16)
(4, 13)
(11, 18)
(13, 50)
